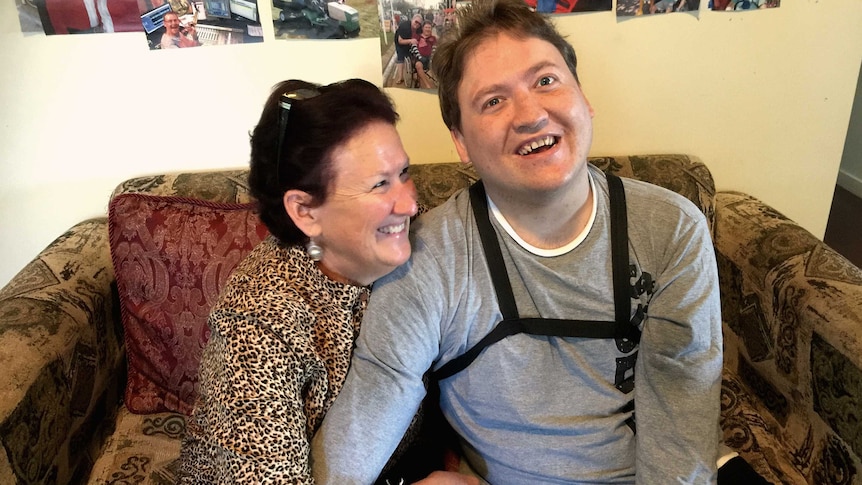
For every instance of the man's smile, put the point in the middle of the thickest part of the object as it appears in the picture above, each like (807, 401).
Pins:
(538, 145)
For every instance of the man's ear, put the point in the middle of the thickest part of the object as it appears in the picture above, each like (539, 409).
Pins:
(460, 147)
(590, 106)
(298, 205)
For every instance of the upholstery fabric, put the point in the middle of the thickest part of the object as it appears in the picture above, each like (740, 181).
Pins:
(172, 255)
(143, 449)
(792, 310)
(61, 353)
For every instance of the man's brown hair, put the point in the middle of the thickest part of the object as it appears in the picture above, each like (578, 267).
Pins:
(475, 23)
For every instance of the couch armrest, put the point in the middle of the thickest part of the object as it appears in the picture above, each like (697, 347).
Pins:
(61, 356)
(792, 312)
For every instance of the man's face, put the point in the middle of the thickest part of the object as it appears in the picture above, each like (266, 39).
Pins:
(417, 22)
(525, 124)
(172, 24)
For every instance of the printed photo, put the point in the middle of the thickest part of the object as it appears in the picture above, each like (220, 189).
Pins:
(88, 16)
(633, 8)
(409, 39)
(570, 6)
(322, 19)
(733, 5)
(176, 24)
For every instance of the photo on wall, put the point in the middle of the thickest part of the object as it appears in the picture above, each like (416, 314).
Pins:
(176, 24)
(325, 19)
(411, 29)
(636, 8)
(60, 17)
(736, 5)
(409, 38)
(570, 6)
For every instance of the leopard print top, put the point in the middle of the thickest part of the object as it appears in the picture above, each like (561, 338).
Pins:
(282, 335)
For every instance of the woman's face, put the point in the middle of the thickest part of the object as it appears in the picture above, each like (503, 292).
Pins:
(364, 222)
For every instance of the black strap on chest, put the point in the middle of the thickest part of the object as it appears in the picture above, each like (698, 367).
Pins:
(512, 323)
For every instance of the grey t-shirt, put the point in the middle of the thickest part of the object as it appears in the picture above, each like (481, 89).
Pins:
(543, 409)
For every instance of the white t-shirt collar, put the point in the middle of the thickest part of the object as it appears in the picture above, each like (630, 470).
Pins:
(548, 253)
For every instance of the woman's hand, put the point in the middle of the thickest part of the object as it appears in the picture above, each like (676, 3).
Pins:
(448, 478)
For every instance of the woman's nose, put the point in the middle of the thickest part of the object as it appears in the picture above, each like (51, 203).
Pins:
(405, 202)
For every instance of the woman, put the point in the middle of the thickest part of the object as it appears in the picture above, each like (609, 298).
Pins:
(330, 176)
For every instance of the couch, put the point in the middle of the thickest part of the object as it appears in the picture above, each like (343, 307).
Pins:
(99, 354)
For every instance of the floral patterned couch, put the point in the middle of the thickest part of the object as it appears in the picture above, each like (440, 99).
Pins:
(792, 311)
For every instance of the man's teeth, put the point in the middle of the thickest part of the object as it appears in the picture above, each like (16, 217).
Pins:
(393, 229)
(528, 148)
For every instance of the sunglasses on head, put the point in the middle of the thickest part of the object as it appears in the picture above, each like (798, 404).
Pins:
(286, 101)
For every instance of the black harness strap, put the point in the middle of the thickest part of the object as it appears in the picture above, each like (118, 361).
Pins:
(513, 324)
(620, 258)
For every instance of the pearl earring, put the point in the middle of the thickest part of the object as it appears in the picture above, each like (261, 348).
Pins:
(315, 252)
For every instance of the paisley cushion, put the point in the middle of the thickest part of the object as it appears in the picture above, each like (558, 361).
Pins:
(171, 257)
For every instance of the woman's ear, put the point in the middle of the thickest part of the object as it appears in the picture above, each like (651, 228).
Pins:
(298, 205)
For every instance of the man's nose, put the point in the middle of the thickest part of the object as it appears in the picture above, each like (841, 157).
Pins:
(529, 115)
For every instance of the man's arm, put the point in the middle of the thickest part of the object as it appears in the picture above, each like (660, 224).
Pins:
(397, 344)
(678, 373)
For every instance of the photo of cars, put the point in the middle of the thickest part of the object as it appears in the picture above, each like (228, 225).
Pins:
(322, 19)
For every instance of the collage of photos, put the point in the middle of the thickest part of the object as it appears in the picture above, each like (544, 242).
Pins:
(166, 24)
(411, 29)
(631, 8)
(408, 30)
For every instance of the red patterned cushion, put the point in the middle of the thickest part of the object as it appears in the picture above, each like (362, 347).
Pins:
(172, 256)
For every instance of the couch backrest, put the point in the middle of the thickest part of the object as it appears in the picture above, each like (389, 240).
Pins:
(172, 256)
(435, 182)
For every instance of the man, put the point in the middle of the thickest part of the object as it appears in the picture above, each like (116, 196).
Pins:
(404, 38)
(535, 408)
(174, 37)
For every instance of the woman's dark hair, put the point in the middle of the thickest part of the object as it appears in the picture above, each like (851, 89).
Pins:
(475, 23)
(315, 127)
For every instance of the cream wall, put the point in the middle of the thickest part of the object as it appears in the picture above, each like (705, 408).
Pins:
(764, 98)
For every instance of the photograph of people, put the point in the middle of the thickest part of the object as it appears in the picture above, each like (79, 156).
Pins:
(177, 24)
(87, 16)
